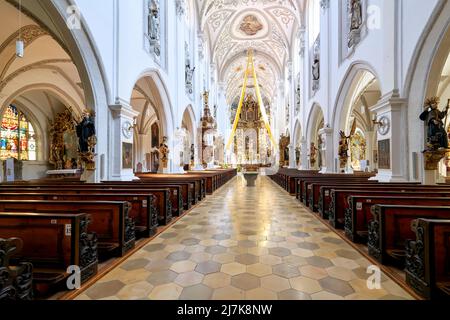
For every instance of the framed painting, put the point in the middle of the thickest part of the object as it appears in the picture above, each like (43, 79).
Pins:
(127, 155)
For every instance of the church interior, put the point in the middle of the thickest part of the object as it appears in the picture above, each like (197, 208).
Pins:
(224, 150)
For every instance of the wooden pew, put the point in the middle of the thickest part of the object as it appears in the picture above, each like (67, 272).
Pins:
(358, 215)
(52, 242)
(185, 189)
(16, 280)
(428, 259)
(339, 198)
(143, 209)
(199, 182)
(162, 202)
(109, 220)
(391, 228)
(305, 184)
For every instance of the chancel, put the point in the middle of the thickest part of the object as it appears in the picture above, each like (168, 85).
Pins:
(224, 150)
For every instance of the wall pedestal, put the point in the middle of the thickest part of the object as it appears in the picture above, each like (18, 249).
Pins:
(122, 117)
(392, 160)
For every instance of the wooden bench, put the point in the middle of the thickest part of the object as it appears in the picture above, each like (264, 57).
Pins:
(162, 201)
(143, 209)
(199, 182)
(428, 258)
(52, 242)
(391, 228)
(305, 184)
(109, 220)
(339, 198)
(16, 280)
(358, 215)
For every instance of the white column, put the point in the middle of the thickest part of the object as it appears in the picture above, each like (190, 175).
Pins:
(369, 149)
(292, 164)
(304, 163)
(328, 154)
(392, 107)
(123, 115)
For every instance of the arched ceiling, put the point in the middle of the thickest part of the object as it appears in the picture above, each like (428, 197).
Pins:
(46, 64)
(269, 27)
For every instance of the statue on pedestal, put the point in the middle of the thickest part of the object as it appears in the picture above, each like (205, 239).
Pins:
(87, 139)
(436, 134)
(313, 154)
(164, 151)
(344, 146)
(437, 138)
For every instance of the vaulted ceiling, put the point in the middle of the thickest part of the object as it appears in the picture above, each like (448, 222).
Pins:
(269, 27)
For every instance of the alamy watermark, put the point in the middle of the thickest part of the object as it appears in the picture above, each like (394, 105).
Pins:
(374, 281)
(74, 280)
(73, 18)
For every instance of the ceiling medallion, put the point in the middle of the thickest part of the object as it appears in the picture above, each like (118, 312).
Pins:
(250, 25)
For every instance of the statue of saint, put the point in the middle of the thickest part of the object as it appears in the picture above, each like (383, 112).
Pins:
(85, 131)
(355, 14)
(297, 156)
(316, 69)
(153, 20)
(164, 151)
(312, 154)
(189, 76)
(436, 134)
(192, 154)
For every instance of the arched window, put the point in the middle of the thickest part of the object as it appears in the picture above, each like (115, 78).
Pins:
(17, 136)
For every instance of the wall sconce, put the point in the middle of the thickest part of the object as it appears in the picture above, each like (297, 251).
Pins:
(383, 123)
(134, 125)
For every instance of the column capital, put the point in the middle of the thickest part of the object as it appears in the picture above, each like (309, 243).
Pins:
(123, 109)
(389, 102)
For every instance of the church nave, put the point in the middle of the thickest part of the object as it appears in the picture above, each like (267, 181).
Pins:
(245, 243)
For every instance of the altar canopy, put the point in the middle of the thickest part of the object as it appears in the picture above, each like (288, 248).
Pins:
(251, 132)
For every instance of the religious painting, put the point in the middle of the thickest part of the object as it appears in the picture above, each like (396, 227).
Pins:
(250, 25)
(384, 154)
(127, 155)
(155, 135)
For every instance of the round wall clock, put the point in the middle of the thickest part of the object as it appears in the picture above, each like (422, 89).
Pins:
(127, 133)
(384, 126)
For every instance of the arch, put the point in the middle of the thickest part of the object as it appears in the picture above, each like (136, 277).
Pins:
(354, 73)
(190, 121)
(297, 133)
(315, 116)
(161, 99)
(422, 79)
(77, 48)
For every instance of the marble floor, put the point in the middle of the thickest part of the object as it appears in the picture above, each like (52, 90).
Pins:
(245, 243)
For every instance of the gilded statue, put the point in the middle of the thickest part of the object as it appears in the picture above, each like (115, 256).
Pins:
(164, 152)
(434, 119)
(63, 123)
(344, 145)
(313, 154)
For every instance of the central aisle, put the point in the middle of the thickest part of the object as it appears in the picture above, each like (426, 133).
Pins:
(245, 243)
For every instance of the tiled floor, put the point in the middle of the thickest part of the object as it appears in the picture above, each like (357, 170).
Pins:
(245, 243)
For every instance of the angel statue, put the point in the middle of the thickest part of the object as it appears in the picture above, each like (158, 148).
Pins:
(435, 120)
(344, 145)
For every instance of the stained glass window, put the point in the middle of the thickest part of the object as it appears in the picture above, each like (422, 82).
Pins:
(17, 136)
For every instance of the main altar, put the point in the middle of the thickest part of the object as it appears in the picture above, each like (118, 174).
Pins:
(251, 143)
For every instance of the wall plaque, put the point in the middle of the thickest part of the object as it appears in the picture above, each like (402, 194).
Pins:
(384, 154)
